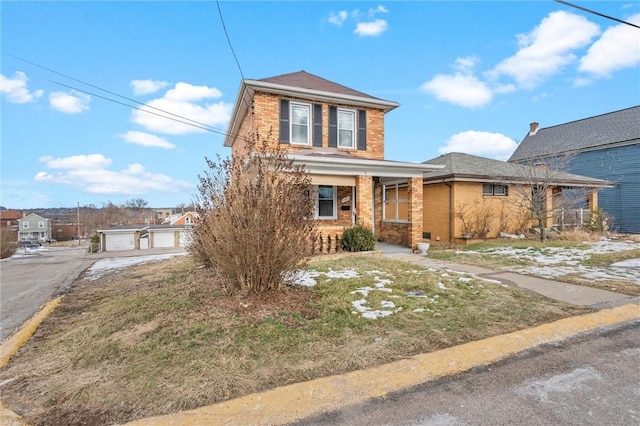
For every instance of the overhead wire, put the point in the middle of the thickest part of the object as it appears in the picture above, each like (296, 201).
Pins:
(143, 106)
(597, 13)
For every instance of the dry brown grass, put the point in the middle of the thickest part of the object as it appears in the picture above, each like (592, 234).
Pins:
(163, 337)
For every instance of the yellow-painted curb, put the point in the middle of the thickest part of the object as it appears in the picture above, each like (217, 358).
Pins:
(294, 402)
(10, 346)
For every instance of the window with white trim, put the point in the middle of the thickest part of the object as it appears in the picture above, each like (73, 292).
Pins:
(41, 224)
(326, 202)
(346, 128)
(494, 190)
(25, 225)
(395, 202)
(300, 130)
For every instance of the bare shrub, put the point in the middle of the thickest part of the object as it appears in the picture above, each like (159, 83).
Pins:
(8, 243)
(476, 218)
(256, 217)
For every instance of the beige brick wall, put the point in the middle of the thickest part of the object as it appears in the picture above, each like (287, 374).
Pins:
(436, 210)
(266, 117)
(506, 213)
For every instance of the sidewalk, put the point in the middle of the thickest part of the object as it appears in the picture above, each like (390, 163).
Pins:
(568, 293)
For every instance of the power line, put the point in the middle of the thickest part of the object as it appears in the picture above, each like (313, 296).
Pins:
(224, 27)
(597, 13)
(209, 129)
(187, 121)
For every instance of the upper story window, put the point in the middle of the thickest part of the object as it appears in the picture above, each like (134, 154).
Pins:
(492, 189)
(25, 225)
(396, 202)
(302, 124)
(346, 128)
(300, 118)
(41, 224)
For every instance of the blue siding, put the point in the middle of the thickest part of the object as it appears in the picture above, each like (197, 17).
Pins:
(622, 166)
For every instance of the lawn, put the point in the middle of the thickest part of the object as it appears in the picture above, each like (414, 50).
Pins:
(162, 337)
(605, 264)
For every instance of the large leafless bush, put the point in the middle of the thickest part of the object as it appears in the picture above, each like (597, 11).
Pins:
(255, 218)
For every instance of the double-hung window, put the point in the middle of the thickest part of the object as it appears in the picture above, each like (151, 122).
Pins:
(326, 202)
(346, 128)
(300, 118)
(25, 225)
(396, 202)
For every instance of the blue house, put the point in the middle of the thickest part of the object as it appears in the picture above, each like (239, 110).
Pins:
(605, 147)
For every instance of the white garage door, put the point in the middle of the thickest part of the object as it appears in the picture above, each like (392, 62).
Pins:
(119, 242)
(164, 239)
(185, 238)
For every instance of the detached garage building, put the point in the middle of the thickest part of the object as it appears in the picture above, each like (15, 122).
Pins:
(141, 237)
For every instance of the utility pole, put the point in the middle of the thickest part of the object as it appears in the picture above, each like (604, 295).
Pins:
(78, 223)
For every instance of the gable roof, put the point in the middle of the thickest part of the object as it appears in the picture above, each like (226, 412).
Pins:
(32, 216)
(611, 129)
(300, 84)
(471, 168)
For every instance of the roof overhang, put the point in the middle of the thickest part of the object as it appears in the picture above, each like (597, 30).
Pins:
(512, 180)
(249, 87)
(362, 167)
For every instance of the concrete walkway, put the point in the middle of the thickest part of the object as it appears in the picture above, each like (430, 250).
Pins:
(568, 293)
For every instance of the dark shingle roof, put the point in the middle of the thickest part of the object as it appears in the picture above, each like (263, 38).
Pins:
(459, 166)
(612, 128)
(305, 80)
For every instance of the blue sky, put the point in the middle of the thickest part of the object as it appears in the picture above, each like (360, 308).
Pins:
(470, 77)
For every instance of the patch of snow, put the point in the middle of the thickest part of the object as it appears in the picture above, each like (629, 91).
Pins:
(104, 266)
(441, 286)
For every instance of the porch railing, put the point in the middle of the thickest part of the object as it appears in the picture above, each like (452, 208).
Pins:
(573, 218)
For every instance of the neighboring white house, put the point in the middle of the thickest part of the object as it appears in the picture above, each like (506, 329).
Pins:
(34, 227)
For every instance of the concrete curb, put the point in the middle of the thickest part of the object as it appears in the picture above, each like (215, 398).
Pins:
(10, 346)
(301, 400)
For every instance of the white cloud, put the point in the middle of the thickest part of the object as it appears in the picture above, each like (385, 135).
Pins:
(373, 28)
(338, 18)
(89, 174)
(376, 10)
(73, 102)
(487, 144)
(185, 92)
(146, 139)
(183, 100)
(145, 87)
(466, 63)
(15, 89)
(90, 161)
(544, 51)
(618, 48)
(459, 89)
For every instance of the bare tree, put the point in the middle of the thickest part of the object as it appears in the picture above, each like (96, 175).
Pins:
(255, 218)
(138, 204)
(545, 190)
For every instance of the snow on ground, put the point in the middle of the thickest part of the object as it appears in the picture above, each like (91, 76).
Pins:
(104, 266)
(553, 262)
(384, 308)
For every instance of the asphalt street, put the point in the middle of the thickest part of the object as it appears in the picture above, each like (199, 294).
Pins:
(593, 379)
(27, 282)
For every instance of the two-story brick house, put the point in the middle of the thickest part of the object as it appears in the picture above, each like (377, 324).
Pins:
(337, 134)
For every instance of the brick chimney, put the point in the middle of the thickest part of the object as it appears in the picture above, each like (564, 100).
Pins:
(533, 128)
